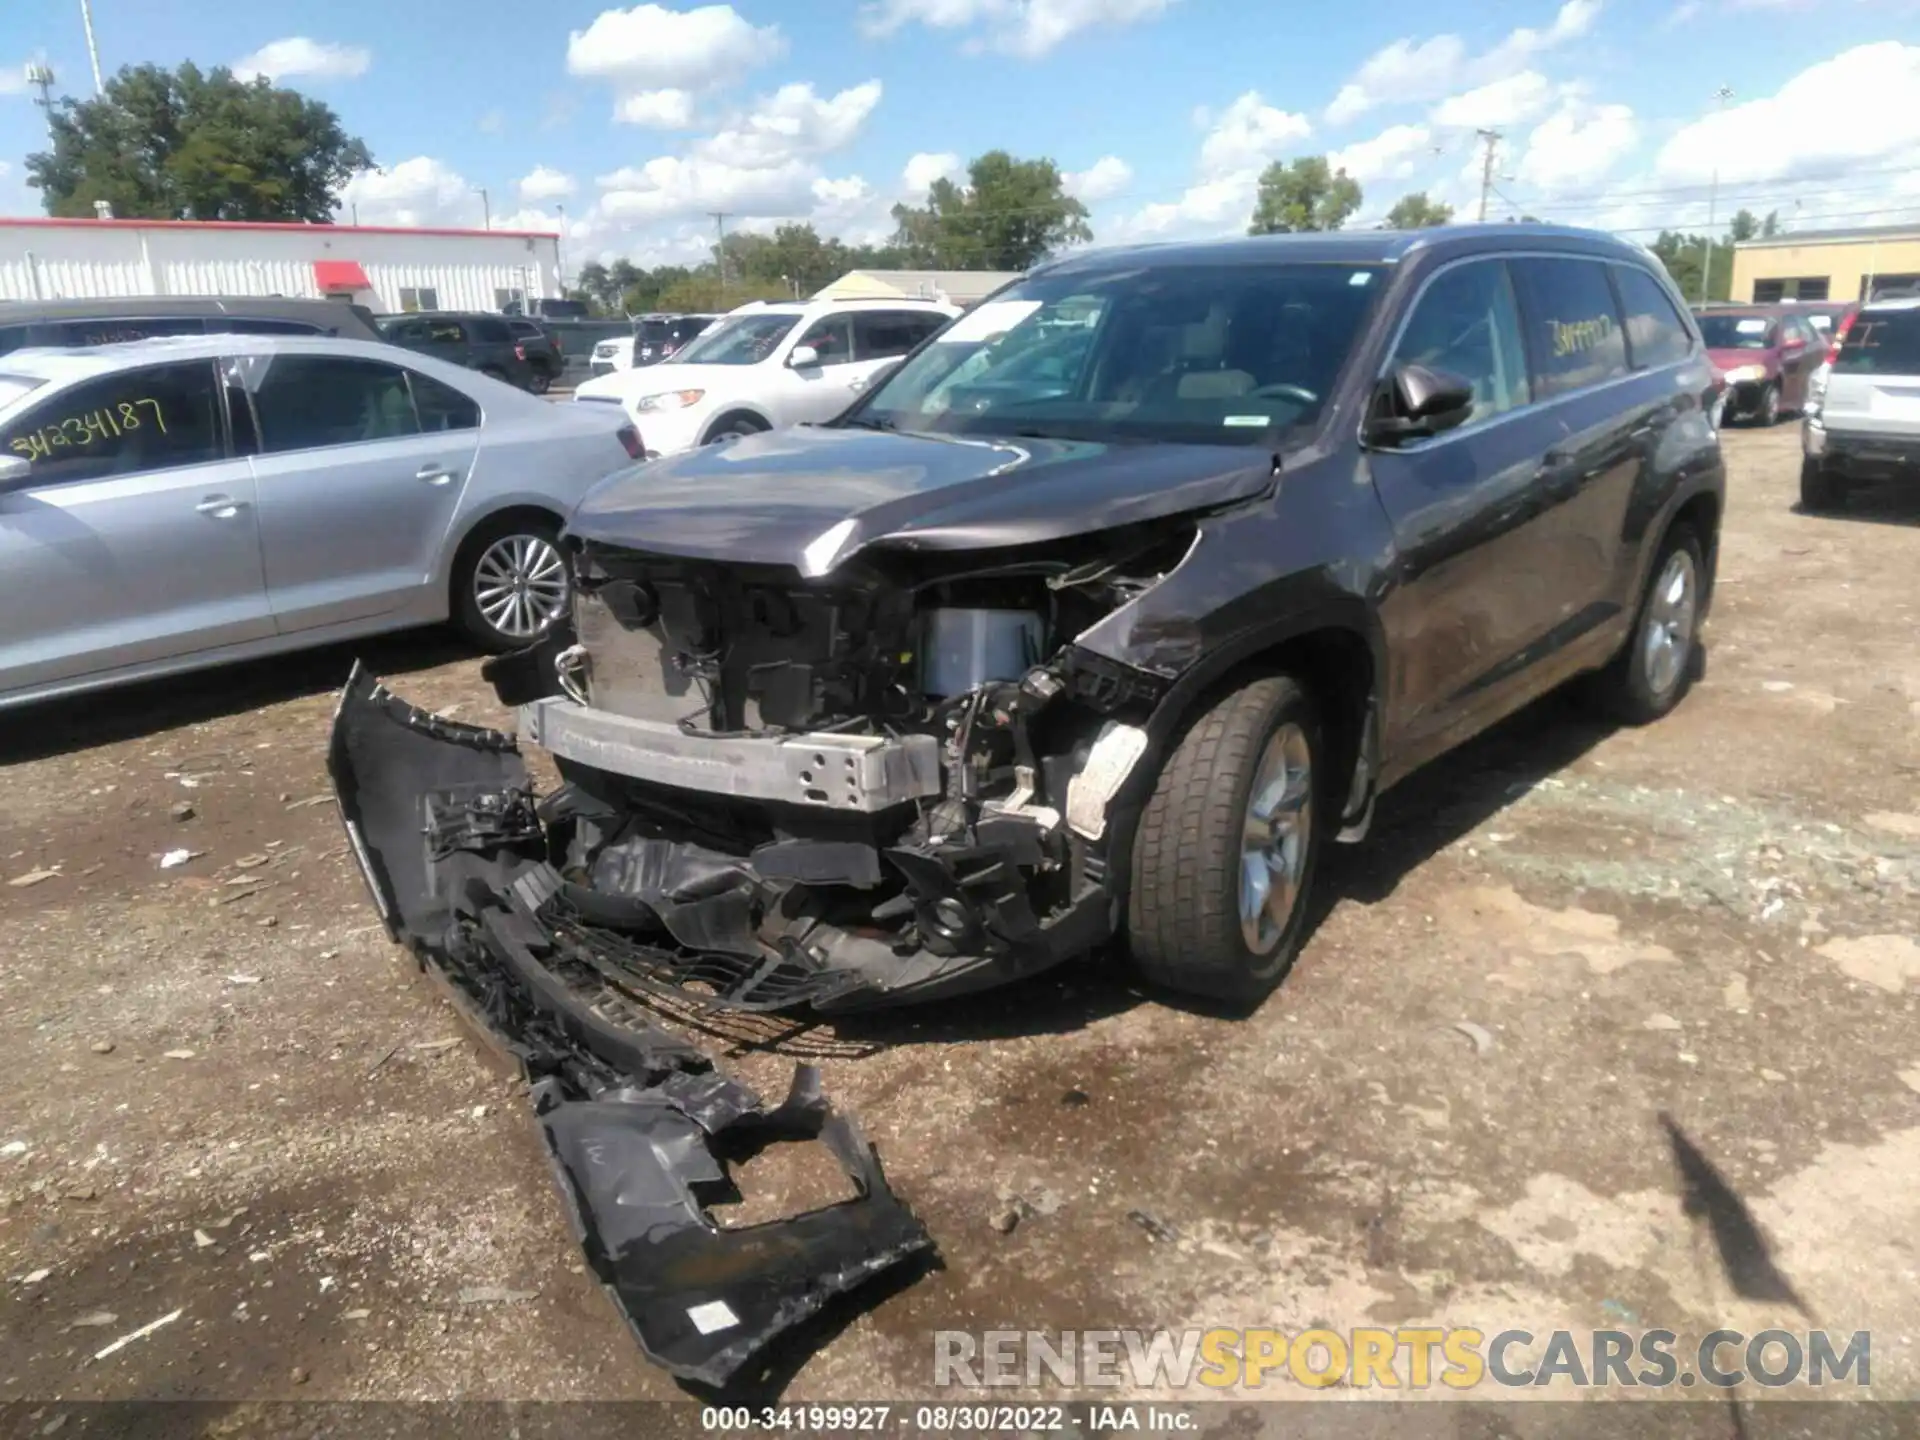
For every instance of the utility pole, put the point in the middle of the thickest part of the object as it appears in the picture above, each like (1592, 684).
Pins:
(720, 249)
(1490, 140)
(93, 50)
(1720, 98)
(40, 77)
(486, 207)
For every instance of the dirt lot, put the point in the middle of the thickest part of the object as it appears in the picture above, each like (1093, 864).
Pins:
(228, 1096)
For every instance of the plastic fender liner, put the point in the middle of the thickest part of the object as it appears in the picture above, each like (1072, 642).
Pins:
(638, 1123)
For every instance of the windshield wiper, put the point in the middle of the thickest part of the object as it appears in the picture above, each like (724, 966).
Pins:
(866, 422)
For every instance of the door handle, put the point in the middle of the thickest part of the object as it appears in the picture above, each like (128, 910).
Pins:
(220, 507)
(433, 474)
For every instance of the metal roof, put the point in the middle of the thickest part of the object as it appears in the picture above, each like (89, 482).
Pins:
(1829, 237)
(1351, 247)
(58, 222)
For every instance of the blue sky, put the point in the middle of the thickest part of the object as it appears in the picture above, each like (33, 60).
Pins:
(640, 119)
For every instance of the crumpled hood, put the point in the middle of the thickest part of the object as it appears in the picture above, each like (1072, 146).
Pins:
(765, 499)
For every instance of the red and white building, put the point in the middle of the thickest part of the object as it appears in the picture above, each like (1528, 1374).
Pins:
(383, 268)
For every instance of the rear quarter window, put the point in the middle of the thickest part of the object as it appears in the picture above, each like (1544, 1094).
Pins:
(492, 332)
(1575, 337)
(1656, 335)
(1883, 343)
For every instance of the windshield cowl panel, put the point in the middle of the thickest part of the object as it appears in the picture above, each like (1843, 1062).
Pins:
(1190, 354)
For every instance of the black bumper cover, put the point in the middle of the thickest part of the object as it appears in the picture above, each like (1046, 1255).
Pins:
(639, 1125)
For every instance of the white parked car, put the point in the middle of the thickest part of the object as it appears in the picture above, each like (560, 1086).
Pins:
(765, 366)
(1862, 422)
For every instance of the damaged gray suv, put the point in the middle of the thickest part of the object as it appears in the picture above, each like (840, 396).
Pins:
(1092, 624)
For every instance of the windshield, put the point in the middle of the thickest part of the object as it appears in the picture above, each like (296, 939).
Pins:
(1735, 332)
(743, 340)
(1219, 354)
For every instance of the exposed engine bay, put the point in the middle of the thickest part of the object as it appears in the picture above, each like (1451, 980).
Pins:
(833, 793)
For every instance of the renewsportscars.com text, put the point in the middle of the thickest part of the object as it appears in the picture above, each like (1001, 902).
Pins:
(1407, 1358)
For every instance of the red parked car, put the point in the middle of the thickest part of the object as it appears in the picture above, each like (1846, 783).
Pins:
(1765, 354)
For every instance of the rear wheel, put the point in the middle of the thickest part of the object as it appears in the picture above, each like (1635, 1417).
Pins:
(1767, 411)
(1653, 670)
(1227, 847)
(510, 583)
(541, 380)
(1820, 490)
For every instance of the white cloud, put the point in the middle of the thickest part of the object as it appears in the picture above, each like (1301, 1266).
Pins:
(1576, 146)
(1026, 28)
(420, 191)
(672, 187)
(1800, 130)
(1390, 155)
(544, 183)
(1411, 72)
(1248, 134)
(656, 109)
(1105, 178)
(792, 123)
(1498, 102)
(13, 79)
(650, 53)
(298, 55)
(923, 169)
(1241, 141)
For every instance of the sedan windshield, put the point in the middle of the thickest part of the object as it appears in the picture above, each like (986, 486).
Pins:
(1735, 332)
(745, 340)
(1216, 354)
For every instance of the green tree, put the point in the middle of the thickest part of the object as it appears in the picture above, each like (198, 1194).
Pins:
(1305, 194)
(1417, 212)
(1683, 256)
(1770, 226)
(185, 145)
(1008, 216)
(1745, 225)
(595, 286)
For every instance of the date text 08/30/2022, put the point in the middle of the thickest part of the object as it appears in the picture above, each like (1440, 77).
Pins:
(963, 1419)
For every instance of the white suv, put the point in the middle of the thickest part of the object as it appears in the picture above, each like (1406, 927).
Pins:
(1863, 422)
(764, 366)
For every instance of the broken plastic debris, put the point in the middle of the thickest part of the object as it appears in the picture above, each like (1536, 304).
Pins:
(140, 1334)
(34, 1277)
(712, 1316)
(179, 1055)
(97, 1320)
(1155, 1227)
(14, 1147)
(173, 859)
(33, 877)
(204, 1240)
(500, 1295)
(243, 979)
(1483, 1042)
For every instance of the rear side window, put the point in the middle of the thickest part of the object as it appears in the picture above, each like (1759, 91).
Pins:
(128, 423)
(1884, 342)
(242, 325)
(527, 328)
(1468, 325)
(441, 407)
(1574, 334)
(446, 332)
(879, 334)
(116, 332)
(306, 402)
(492, 332)
(15, 337)
(1656, 335)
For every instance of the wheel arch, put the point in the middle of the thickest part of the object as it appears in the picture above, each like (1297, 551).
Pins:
(735, 412)
(473, 525)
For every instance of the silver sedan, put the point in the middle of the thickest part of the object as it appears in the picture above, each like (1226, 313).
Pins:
(172, 504)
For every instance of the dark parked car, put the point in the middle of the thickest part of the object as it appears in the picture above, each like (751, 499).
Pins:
(545, 356)
(654, 338)
(1038, 647)
(480, 342)
(1765, 354)
(63, 324)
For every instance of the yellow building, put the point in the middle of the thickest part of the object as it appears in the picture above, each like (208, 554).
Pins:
(1827, 264)
(951, 287)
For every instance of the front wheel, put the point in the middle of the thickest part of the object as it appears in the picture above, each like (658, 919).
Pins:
(1767, 412)
(510, 583)
(1227, 847)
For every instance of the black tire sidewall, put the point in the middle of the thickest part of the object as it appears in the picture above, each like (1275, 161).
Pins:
(466, 608)
(1643, 702)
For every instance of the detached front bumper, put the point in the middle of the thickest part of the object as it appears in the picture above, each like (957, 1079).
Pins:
(639, 1125)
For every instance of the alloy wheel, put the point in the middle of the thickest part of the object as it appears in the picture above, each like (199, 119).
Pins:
(1275, 834)
(520, 585)
(1666, 640)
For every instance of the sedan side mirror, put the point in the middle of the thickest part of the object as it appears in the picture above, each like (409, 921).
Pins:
(1419, 402)
(14, 473)
(803, 357)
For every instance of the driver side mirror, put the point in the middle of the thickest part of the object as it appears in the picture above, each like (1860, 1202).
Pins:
(15, 473)
(803, 357)
(1419, 402)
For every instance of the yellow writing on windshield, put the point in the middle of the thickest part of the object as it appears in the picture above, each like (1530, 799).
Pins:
(1579, 336)
(90, 428)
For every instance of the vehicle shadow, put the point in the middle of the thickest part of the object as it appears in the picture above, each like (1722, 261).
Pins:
(56, 727)
(1879, 504)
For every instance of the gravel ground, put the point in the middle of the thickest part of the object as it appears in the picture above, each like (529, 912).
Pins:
(230, 1098)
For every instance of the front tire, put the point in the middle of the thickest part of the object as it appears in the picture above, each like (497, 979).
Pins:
(1228, 845)
(1767, 413)
(733, 427)
(510, 582)
(1819, 491)
(1656, 666)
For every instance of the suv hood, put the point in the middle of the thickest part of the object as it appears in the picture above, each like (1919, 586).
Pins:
(768, 499)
